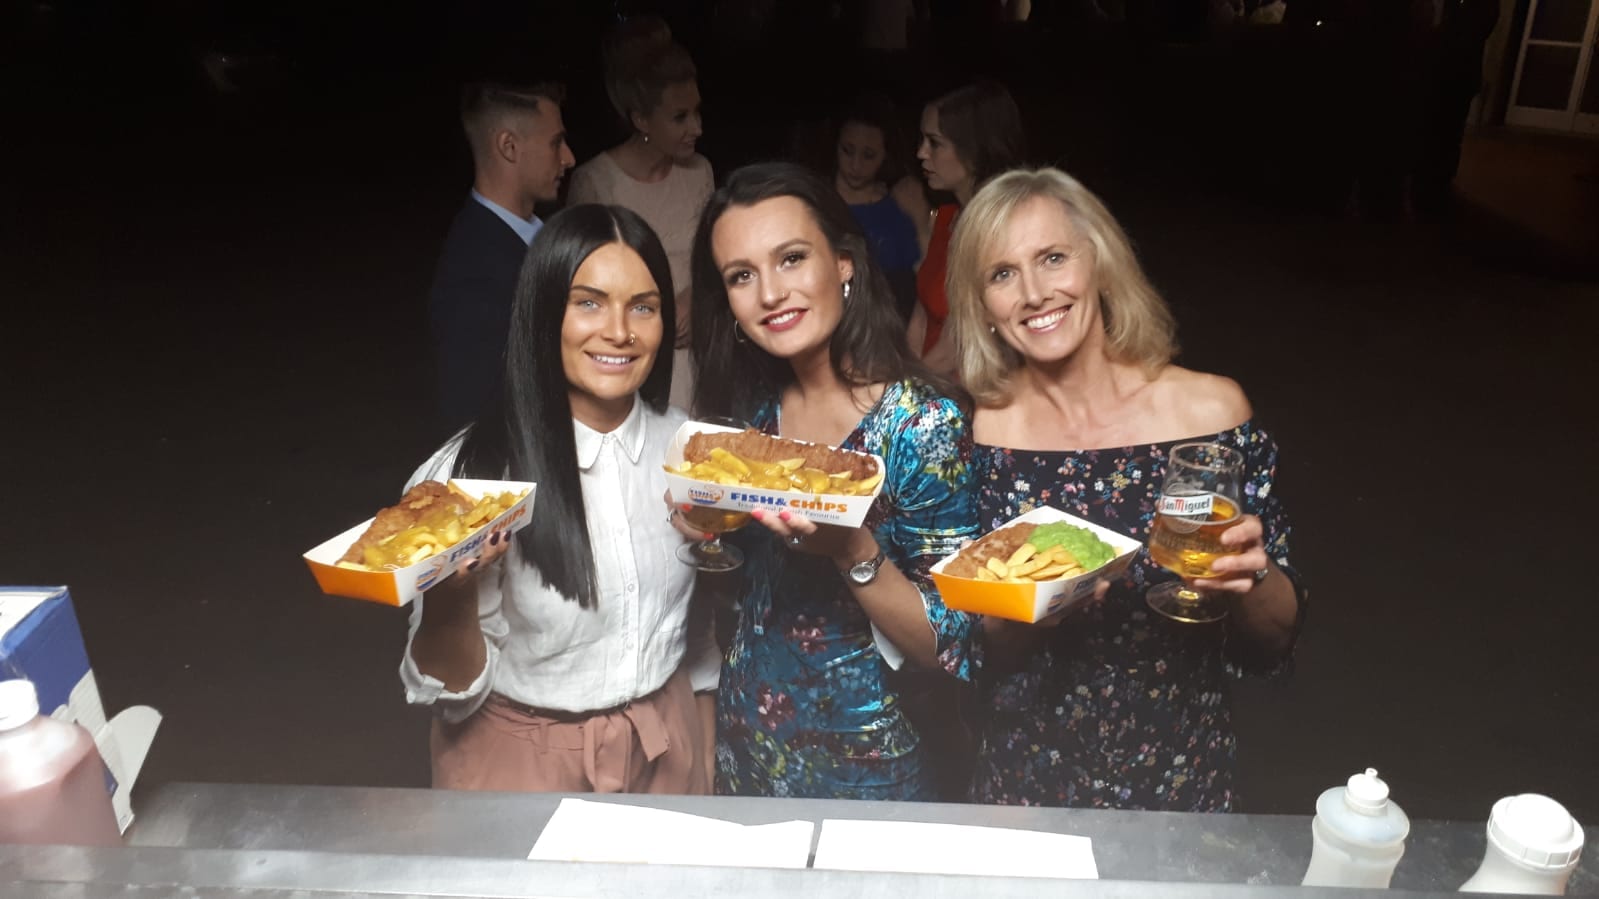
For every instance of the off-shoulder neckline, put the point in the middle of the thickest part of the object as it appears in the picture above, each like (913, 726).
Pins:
(1244, 426)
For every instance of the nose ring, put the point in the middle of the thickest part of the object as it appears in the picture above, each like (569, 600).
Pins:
(631, 338)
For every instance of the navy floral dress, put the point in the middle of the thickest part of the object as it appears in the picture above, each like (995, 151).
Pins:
(804, 708)
(1123, 708)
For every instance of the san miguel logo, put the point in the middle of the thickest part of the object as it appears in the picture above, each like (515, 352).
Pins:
(705, 495)
(1199, 504)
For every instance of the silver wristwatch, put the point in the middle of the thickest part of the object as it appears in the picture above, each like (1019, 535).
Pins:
(863, 573)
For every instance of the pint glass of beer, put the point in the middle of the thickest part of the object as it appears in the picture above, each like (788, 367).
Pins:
(1200, 499)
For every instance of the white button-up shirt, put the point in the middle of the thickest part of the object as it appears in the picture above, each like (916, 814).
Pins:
(547, 651)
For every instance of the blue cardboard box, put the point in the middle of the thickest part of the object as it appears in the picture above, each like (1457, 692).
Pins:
(40, 640)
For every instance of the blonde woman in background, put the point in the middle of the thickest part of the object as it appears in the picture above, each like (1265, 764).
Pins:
(652, 84)
(1066, 349)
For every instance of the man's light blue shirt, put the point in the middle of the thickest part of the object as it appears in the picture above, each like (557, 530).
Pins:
(523, 228)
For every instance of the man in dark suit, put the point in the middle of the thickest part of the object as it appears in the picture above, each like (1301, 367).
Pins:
(519, 156)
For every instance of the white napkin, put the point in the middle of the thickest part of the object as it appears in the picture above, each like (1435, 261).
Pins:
(583, 831)
(952, 849)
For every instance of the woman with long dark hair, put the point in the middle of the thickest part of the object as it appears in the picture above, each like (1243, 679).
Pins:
(571, 663)
(968, 136)
(793, 333)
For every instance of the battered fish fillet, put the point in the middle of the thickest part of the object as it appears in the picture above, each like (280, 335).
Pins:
(1000, 544)
(752, 444)
(418, 501)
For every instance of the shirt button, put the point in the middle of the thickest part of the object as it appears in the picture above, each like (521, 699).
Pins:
(632, 588)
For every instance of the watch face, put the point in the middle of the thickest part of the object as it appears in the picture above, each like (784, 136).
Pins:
(866, 572)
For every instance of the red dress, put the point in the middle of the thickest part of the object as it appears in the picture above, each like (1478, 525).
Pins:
(930, 277)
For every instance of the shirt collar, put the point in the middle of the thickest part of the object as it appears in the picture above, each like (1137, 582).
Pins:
(630, 434)
(524, 228)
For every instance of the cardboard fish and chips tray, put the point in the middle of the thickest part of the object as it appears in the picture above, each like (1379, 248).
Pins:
(822, 508)
(400, 586)
(1033, 602)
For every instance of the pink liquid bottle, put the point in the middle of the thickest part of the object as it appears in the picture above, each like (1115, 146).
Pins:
(52, 780)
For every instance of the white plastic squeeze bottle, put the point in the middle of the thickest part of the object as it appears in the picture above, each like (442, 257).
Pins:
(1533, 846)
(1358, 835)
(52, 780)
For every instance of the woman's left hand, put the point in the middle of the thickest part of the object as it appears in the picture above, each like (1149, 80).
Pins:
(1238, 570)
(845, 546)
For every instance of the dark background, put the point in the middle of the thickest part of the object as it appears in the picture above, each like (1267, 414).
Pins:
(214, 356)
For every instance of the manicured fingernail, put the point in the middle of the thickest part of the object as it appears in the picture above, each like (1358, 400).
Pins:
(494, 538)
(472, 565)
(783, 515)
(686, 507)
(708, 537)
(758, 514)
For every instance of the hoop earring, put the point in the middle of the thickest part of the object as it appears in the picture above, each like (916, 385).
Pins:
(738, 335)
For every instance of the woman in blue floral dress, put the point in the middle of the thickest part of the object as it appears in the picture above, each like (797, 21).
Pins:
(1066, 348)
(795, 332)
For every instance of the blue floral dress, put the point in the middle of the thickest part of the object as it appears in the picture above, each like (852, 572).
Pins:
(1123, 708)
(804, 708)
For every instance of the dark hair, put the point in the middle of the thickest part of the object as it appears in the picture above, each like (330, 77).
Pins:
(641, 62)
(735, 374)
(485, 103)
(526, 434)
(877, 111)
(984, 125)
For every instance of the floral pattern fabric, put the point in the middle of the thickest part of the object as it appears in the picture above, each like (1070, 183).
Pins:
(1122, 708)
(804, 707)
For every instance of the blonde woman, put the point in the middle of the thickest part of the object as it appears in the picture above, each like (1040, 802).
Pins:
(656, 171)
(1067, 351)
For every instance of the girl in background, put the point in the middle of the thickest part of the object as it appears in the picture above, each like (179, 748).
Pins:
(869, 174)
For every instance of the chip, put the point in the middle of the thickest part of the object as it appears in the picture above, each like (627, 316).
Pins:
(437, 527)
(734, 470)
(1011, 555)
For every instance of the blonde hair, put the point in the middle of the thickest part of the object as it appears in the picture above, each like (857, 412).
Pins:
(641, 62)
(1139, 328)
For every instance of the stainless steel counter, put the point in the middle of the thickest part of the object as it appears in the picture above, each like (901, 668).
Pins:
(351, 841)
